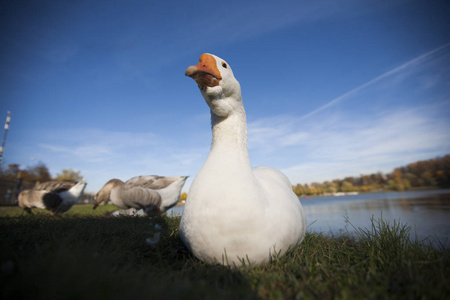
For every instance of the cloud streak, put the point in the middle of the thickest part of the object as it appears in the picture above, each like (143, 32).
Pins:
(416, 61)
(102, 155)
(379, 144)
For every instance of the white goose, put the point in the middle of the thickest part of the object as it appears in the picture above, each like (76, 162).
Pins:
(233, 211)
(153, 194)
(57, 197)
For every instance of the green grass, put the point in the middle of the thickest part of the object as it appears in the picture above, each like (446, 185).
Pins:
(76, 210)
(84, 255)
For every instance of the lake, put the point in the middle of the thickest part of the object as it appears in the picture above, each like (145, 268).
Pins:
(427, 212)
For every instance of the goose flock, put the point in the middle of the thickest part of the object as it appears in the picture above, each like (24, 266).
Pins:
(233, 212)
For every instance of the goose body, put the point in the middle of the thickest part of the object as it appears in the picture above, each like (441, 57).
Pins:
(57, 197)
(154, 194)
(234, 211)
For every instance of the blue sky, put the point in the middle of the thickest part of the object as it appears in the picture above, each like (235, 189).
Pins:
(331, 88)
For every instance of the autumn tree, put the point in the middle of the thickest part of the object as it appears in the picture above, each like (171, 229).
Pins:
(41, 173)
(33, 174)
(428, 173)
(69, 175)
(330, 187)
(183, 196)
(298, 189)
(347, 186)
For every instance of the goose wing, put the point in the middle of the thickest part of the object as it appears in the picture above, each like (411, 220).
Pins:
(54, 186)
(139, 197)
(153, 182)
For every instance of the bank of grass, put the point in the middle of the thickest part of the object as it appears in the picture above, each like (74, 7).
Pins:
(81, 255)
(76, 210)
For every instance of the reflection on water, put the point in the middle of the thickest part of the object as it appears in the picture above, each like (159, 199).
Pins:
(427, 212)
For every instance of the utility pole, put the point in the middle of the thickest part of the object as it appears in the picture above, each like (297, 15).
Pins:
(8, 119)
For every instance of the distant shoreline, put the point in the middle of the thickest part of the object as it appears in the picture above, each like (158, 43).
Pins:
(338, 194)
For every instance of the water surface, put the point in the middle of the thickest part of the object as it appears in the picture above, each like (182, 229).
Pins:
(427, 212)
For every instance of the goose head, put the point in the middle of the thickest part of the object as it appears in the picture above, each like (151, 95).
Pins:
(217, 84)
(103, 196)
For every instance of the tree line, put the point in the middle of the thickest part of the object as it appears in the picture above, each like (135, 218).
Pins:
(38, 173)
(433, 173)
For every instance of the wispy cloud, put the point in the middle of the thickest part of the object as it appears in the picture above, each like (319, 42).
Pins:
(102, 155)
(89, 145)
(414, 62)
(86, 153)
(379, 144)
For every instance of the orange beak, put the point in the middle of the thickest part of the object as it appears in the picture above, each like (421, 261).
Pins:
(205, 73)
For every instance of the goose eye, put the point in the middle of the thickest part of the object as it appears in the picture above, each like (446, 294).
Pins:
(224, 65)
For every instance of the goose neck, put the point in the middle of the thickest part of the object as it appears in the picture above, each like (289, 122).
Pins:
(229, 132)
